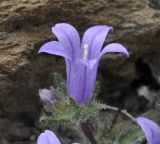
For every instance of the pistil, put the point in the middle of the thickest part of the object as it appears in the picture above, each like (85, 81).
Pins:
(85, 52)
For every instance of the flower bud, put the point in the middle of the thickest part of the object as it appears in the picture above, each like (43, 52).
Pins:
(47, 96)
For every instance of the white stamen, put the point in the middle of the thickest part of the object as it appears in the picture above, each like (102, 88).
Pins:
(85, 52)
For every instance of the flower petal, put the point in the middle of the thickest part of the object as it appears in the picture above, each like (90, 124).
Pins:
(151, 130)
(90, 82)
(54, 48)
(52, 137)
(42, 139)
(90, 63)
(94, 37)
(48, 137)
(69, 38)
(115, 48)
(145, 128)
(83, 78)
(74, 79)
(90, 73)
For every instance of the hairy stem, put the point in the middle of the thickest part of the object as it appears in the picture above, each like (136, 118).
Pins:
(86, 127)
(124, 112)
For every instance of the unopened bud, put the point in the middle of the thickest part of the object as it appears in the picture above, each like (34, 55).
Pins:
(47, 96)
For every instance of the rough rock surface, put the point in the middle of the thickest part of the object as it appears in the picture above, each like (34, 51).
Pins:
(26, 24)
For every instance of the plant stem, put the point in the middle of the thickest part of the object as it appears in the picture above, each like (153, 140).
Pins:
(86, 127)
(114, 120)
(124, 112)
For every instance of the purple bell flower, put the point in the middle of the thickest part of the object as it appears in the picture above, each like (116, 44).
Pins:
(82, 57)
(47, 96)
(48, 137)
(151, 130)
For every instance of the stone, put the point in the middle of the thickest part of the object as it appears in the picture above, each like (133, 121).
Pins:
(153, 60)
(154, 4)
(18, 131)
(3, 141)
(4, 127)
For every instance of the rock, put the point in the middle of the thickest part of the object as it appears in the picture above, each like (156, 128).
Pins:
(153, 60)
(154, 4)
(4, 127)
(3, 141)
(18, 131)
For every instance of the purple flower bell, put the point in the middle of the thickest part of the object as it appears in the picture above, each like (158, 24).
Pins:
(48, 137)
(82, 57)
(151, 130)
